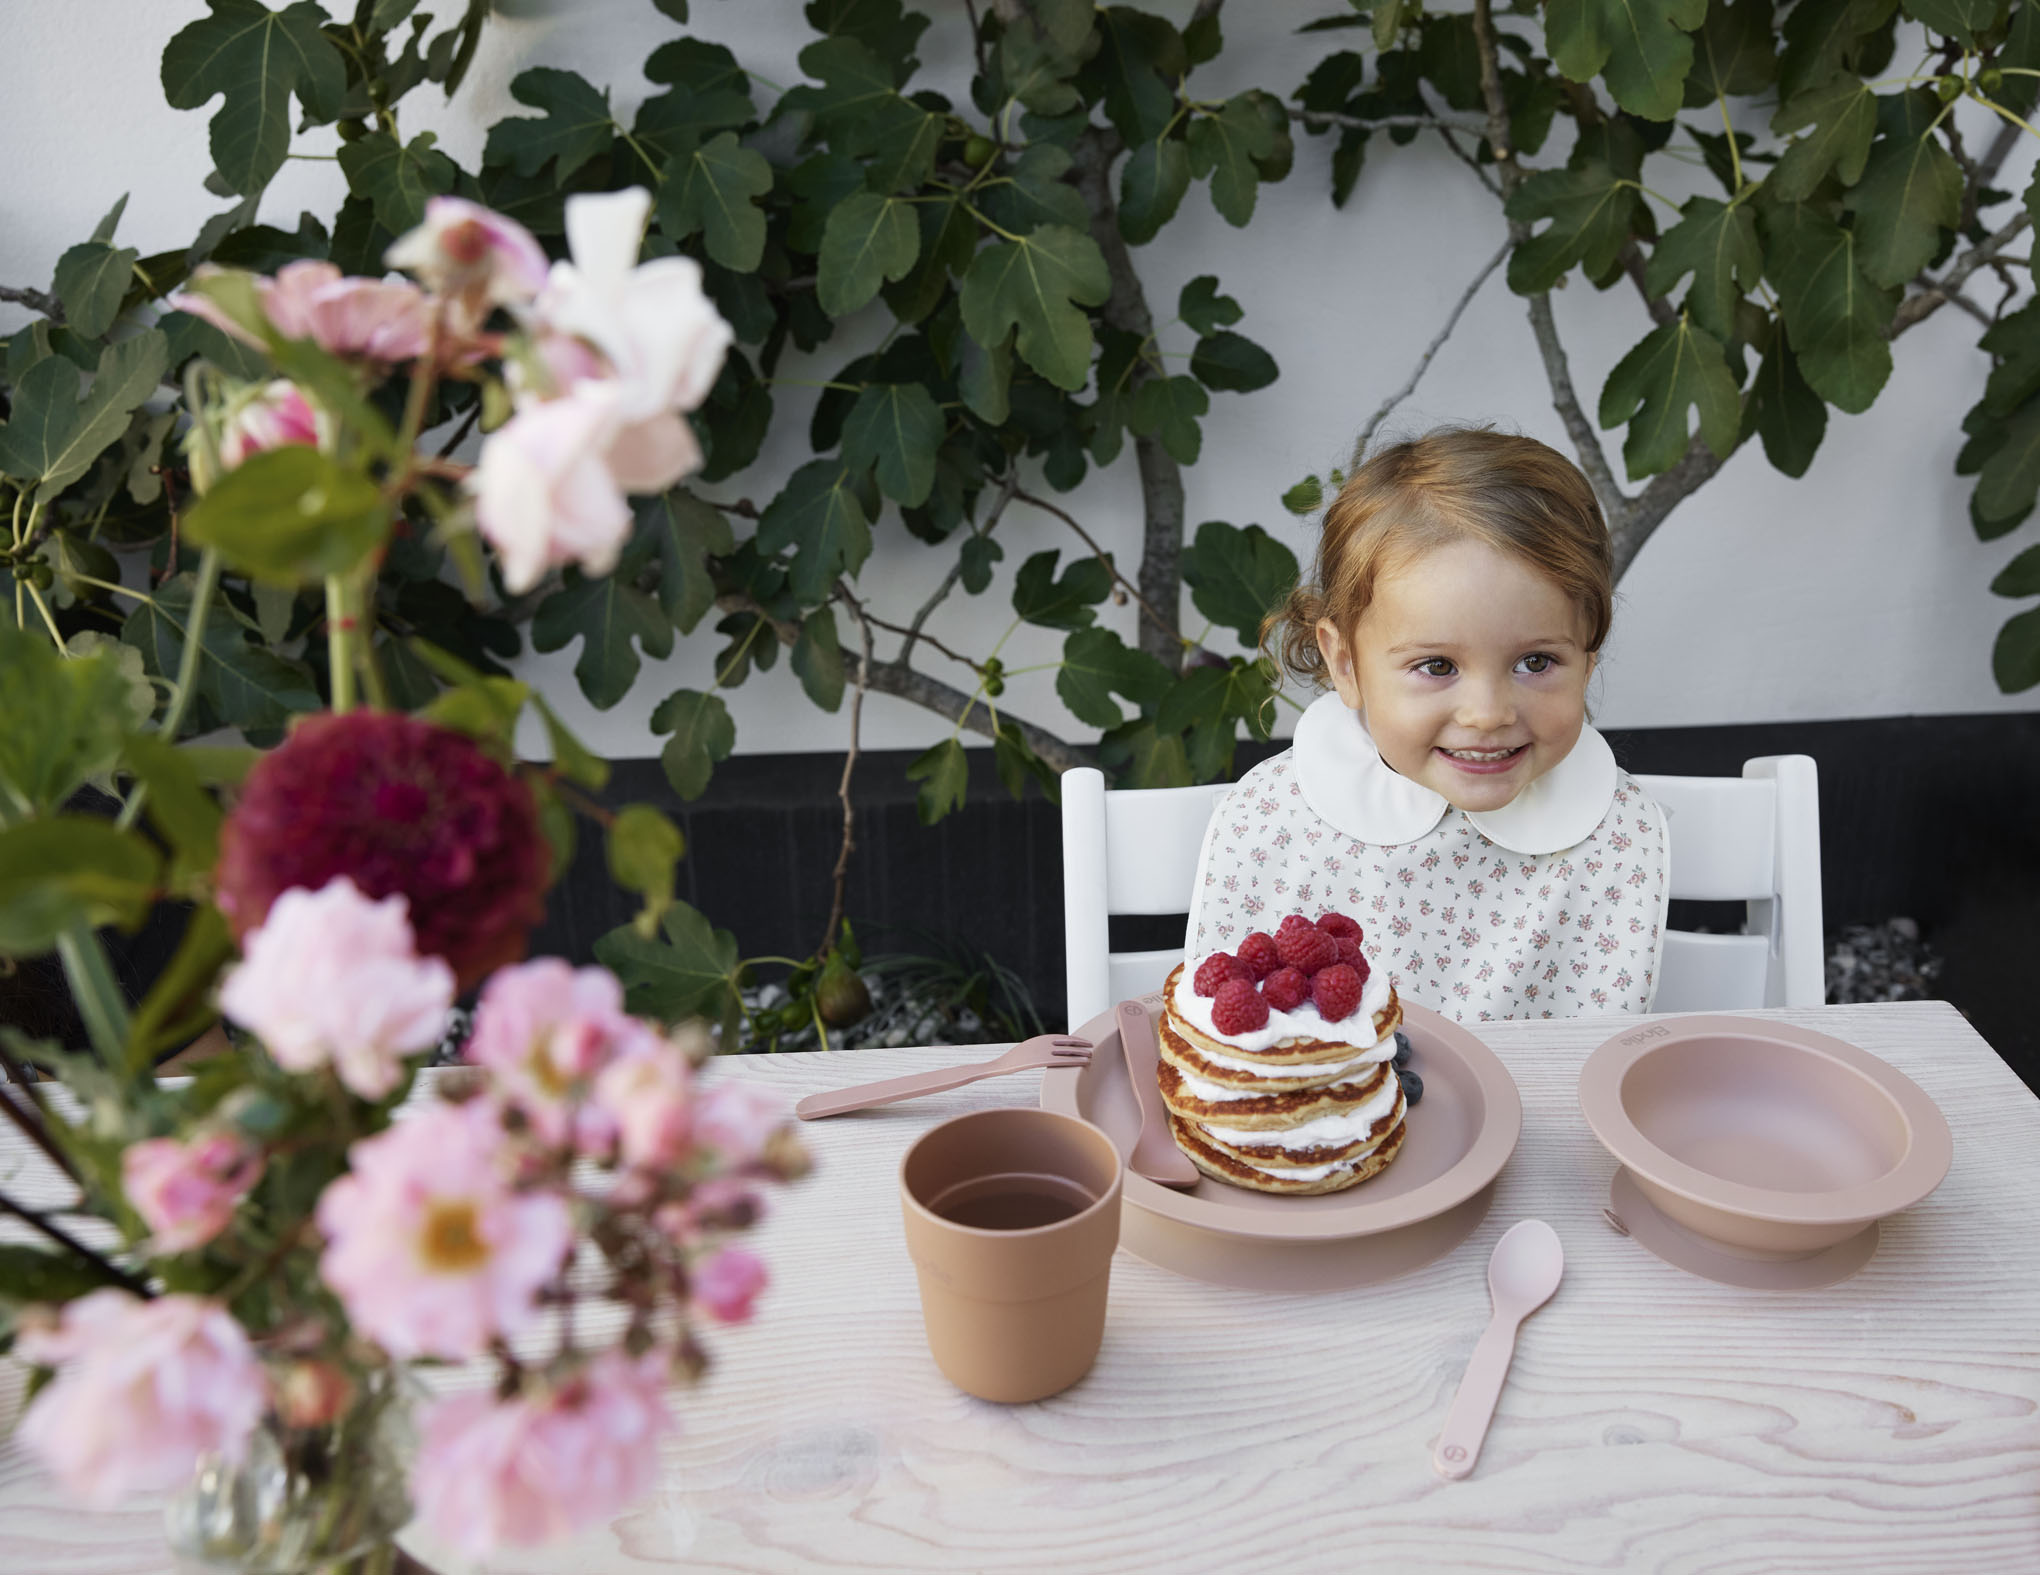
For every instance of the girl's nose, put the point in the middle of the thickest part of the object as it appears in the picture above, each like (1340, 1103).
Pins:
(1485, 706)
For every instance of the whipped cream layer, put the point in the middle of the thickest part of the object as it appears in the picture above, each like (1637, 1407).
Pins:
(1306, 1022)
(1348, 1126)
(1202, 1089)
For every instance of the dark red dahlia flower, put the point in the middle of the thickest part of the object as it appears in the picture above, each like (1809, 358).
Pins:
(398, 806)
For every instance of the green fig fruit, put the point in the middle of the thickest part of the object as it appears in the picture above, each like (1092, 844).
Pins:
(840, 995)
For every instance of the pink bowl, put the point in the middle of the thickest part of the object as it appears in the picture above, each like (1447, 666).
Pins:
(1767, 1139)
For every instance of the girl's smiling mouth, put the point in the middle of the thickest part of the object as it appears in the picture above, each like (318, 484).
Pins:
(1484, 762)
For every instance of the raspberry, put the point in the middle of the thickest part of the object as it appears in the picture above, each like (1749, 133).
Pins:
(1349, 949)
(1307, 950)
(1239, 1008)
(1339, 926)
(1258, 952)
(1295, 921)
(1336, 990)
(1285, 989)
(1216, 969)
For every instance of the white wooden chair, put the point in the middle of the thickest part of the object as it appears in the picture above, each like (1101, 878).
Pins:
(1753, 839)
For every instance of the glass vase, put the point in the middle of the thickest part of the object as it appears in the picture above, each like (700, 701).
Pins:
(305, 1500)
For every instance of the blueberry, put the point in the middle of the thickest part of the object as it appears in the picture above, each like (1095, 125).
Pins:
(1412, 1086)
(1402, 1049)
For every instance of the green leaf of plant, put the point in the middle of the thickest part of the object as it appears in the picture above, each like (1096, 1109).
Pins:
(1229, 147)
(707, 92)
(575, 125)
(1096, 665)
(1716, 242)
(91, 280)
(1203, 308)
(703, 735)
(643, 846)
(1142, 757)
(65, 718)
(1233, 362)
(1035, 65)
(571, 758)
(944, 775)
(180, 809)
(2020, 577)
(1035, 192)
(868, 240)
(179, 1002)
(686, 533)
(1910, 192)
(1733, 53)
(819, 516)
(713, 188)
(53, 435)
(291, 515)
(980, 554)
(1837, 318)
(1237, 577)
(904, 156)
(1167, 408)
(608, 616)
(1789, 416)
(691, 972)
(2010, 479)
(1639, 47)
(1237, 691)
(858, 100)
(397, 177)
(2015, 657)
(1305, 496)
(1151, 188)
(1843, 114)
(1040, 598)
(1961, 20)
(248, 686)
(1679, 366)
(1140, 57)
(103, 232)
(985, 378)
(255, 59)
(1823, 37)
(896, 428)
(882, 26)
(68, 870)
(818, 658)
(1591, 212)
(1037, 283)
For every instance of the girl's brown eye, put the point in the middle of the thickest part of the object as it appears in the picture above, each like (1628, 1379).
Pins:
(1436, 667)
(1537, 662)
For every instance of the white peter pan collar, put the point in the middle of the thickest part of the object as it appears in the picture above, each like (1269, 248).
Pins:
(1346, 782)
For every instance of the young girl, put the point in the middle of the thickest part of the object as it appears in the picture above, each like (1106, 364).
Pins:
(1449, 794)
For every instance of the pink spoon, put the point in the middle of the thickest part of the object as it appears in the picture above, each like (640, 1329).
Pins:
(1521, 1275)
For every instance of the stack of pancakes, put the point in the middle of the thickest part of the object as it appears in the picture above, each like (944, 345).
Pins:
(1317, 1110)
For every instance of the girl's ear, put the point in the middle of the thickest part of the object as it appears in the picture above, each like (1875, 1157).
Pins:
(1338, 655)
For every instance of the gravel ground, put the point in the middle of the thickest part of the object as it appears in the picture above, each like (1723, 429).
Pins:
(1882, 962)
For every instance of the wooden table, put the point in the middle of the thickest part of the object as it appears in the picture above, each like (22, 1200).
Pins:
(1652, 1422)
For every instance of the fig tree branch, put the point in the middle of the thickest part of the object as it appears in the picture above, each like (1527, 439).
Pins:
(1366, 438)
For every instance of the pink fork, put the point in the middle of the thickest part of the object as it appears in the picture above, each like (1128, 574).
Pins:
(1043, 1050)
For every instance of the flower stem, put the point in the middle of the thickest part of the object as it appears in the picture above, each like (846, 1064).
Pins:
(187, 671)
(340, 644)
(96, 992)
(72, 1245)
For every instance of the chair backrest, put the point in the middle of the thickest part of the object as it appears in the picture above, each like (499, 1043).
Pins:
(1753, 839)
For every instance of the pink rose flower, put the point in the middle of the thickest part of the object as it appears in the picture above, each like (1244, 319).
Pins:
(649, 1098)
(543, 491)
(726, 1283)
(143, 1388)
(270, 417)
(736, 1120)
(428, 1247)
(379, 320)
(721, 1203)
(472, 254)
(187, 1192)
(331, 976)
(494, 1473)
(545, 1030)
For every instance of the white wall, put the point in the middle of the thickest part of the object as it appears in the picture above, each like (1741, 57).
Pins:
(1857, 591)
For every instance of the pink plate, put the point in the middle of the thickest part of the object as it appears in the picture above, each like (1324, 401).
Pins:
(1417, 1210)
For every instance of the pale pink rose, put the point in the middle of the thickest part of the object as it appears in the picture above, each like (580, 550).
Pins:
(428, 1247)
(649, 1097)
(273, 416)
(331, 976)
(143, 1388)
(546, 1031)
(187, 1192)
(726, 1282)
(736, 1119)
(380, 320)
(721, 1203)
(543, 491)
(494, 1473)
(471, 254)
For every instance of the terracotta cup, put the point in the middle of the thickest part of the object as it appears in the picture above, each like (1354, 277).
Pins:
(1012, 1217)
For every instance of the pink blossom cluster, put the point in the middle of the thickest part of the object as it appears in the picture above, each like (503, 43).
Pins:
(186, 1192)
